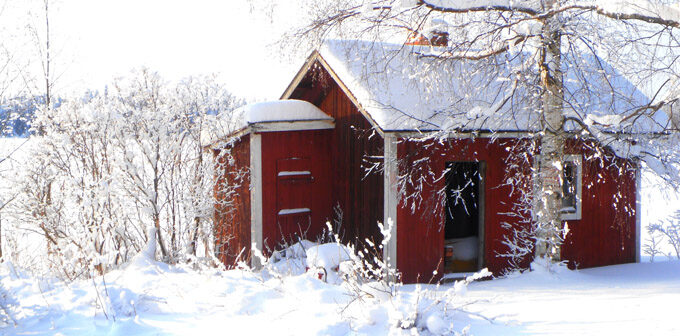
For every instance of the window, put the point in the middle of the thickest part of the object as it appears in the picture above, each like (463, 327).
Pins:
(571, 187)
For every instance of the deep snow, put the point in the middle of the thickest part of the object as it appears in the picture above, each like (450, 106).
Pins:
(150, 298)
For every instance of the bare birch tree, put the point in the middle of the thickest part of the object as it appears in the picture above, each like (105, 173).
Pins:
(573, 65)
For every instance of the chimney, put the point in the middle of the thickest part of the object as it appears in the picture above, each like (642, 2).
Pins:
(439, 38)
(417, 39)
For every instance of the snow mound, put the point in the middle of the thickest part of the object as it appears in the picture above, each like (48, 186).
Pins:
(297, 250)
(291, 260)
(542, 267)
(145, 260)
(329, 256)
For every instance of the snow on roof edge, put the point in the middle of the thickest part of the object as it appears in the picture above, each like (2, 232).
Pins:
(239, 120)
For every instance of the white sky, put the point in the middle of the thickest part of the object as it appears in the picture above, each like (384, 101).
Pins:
(97, 40)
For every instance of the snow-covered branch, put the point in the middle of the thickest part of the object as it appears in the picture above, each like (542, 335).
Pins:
(641, 10)
(465, 6)
(496, 48)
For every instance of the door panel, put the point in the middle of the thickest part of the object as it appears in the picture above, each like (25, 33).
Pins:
(295, 177)
(293, 198)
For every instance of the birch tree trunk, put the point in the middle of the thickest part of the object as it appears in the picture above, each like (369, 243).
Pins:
(549, 202)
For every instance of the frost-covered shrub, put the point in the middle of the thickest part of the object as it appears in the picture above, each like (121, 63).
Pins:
(653, 246)
(109, 166)
(437, 309)
(668, 230)
(367, 273)
(8, 302)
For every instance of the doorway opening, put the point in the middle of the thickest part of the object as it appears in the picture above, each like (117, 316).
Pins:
(464, 226)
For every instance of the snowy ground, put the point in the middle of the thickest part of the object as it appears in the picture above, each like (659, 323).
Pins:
(150, 298)
(633, 299)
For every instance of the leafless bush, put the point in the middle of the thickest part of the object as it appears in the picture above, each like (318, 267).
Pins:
(653, 246)
(111, 165)
(668, 230)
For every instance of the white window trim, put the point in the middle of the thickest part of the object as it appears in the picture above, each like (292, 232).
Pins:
(578, 161)
(300, 125)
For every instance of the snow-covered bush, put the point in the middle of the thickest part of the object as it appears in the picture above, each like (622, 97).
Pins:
(667, 230)
(109, 166)
(653, 246)
(373, 291)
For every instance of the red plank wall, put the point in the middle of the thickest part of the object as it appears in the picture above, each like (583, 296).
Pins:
(420, 234)
(232, 222)
(313, 148)
(605, 235)
(592, 241)
(354, 147)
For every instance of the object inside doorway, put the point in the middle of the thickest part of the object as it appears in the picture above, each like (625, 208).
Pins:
(461, 231)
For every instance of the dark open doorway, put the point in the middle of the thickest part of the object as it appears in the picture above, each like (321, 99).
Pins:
(463, 230)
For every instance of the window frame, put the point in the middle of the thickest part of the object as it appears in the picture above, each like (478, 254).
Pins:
(577, 160)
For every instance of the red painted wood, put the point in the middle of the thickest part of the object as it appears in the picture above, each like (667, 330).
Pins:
(420, 234)
(339, 158)
(605, 235)
(351, 148)
(294, 192)
(232, 215)
(354, 147)
(295, 151)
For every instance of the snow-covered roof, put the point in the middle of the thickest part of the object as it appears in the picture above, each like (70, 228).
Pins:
(398, 91)
(403, 88)
(280, 110)
(289, 110)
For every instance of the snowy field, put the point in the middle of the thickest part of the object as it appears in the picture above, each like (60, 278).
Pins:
(147, 297)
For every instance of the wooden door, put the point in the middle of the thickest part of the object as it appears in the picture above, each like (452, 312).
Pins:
(296, 186)
(294, 181)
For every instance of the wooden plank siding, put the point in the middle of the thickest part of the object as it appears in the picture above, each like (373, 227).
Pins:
(605, 235)
(232, 212)
(420, 233)
(346, 165)
(354, 146)
(312, 148)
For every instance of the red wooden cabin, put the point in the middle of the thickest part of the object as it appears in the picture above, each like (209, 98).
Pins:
(356, 134)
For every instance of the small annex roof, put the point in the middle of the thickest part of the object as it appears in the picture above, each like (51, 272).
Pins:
(405, 88)
(280, 110)
(248, 116)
